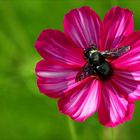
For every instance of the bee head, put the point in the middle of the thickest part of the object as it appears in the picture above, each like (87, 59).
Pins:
(88, 52)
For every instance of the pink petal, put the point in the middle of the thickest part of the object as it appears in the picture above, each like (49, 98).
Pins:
(53, 45)
(130, 61)
(118, 23)
(81, 102)
(113, 109)
(128, 84)
(54, 78)
(131, 39)
(83, 26)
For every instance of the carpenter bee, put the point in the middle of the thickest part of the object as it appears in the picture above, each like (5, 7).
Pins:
(97, 63)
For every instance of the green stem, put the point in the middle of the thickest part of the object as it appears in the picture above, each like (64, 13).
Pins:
(112, 134)
(72, 129)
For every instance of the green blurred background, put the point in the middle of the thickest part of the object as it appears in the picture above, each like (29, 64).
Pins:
(24, 112)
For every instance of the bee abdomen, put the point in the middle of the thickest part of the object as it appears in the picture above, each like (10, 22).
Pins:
(104, 71)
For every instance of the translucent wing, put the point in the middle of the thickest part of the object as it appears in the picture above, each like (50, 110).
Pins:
(85, 72)
(116, 52)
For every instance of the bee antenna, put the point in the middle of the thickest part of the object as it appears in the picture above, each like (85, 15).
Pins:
(93, 46)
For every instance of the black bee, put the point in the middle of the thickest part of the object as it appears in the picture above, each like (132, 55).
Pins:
(97, 62)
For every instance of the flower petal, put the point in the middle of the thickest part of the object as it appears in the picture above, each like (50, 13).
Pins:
(117, 24)
(55, 78)
(131, 39)
(81, 102)
(53, 45)
(113, 109)
(128, 84)
(83, 26)
(130, 61)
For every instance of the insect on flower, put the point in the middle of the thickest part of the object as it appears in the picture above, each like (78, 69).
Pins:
(96, 64)
(93, 66)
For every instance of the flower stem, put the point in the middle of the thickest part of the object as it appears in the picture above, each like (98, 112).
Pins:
(112, 134)
(72, 129)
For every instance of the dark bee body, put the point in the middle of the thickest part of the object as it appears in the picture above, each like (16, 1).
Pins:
(104, 71)
(97, 65)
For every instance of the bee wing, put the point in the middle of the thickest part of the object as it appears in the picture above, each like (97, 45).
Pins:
(116, 52)
(84, 73)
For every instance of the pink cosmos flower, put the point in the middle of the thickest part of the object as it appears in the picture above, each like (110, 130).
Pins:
(63, 58)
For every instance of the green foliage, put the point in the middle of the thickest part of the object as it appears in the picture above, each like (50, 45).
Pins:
(25, 113)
